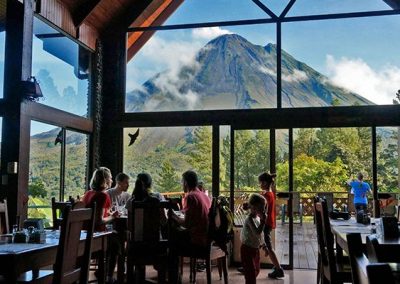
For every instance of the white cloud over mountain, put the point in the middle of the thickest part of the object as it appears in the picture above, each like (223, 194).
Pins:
(378, 86)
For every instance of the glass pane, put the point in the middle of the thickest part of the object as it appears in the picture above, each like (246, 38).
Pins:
(340, 62)
(324, 159)
(62, 69)
(195, 11)
(225, 159)
(315, 7)
(44, 170)
(3, 7)
(166, 152)
(388, 149)
(76, 159)
(204, 69)
(388, 159)
(251, 158)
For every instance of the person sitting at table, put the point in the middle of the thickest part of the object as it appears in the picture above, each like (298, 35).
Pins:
(194, 222)
(360, 189)
(118, 194)
(100, 182)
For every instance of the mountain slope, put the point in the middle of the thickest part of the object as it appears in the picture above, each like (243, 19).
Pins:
(232, 73)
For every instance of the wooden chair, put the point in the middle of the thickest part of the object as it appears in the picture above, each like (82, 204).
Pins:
(146, 245)
(4, 227)
(210, 253)
(363, 271)
(71, 265)
(57, 209)
(297, 208)
(328, 266)
(377, 253)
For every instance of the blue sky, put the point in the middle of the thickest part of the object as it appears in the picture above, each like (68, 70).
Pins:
(358, 54)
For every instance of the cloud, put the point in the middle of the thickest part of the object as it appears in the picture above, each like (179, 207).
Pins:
(378, 86)
(209, 33)
(296, 76)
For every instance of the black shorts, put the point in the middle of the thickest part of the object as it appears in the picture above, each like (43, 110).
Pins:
(267, 237)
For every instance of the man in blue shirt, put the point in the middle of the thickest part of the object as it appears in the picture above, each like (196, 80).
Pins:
(360, 189)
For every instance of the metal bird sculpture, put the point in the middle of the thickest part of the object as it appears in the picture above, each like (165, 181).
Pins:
(59, 138)
(133, 137)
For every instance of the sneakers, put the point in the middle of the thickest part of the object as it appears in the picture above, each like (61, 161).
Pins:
(276, 273)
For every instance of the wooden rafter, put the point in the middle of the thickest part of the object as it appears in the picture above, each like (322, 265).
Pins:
(154, 15)
(395, 4)
(87, 20)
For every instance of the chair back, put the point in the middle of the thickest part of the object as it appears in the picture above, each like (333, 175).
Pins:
(377, 253)
(57, 209)
(362, 269)
(144, 224)
(328, 197)
(358, 260)
(325, 238)
(4, 225)
(72, 261)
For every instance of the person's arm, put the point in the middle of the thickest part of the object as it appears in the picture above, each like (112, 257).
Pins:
(257, 230)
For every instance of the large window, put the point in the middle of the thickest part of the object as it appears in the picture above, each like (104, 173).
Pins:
(53, 171)
(165, 153)
(3, 6)
(62, 68)
(204, 69)
(340, 62)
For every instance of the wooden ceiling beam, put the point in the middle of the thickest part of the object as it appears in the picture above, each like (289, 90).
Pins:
(148, 18)
(395, 4)
(80, 10)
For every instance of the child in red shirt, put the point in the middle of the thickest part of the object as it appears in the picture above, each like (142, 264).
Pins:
(267, 184)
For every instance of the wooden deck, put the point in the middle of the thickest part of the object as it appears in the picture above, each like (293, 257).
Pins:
(305, 246)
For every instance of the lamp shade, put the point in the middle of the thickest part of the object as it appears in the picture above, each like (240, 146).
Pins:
(31, 89)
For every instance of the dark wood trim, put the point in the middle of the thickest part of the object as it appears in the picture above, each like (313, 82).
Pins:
(375, 173)
(313, 117)
(266, 21)
(232, 169)
(272, 151)
(112, 101)
(50, 115)
(290, 203)
(215, 160)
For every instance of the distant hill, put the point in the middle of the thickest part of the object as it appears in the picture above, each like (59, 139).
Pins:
(232, 73)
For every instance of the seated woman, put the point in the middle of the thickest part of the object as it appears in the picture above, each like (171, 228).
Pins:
(142, 192)
(100, 182)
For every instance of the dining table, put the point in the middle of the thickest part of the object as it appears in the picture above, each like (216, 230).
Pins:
(340, 228)
(18, 258)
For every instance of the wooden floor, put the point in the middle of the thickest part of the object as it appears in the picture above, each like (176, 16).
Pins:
(297, 276)
(305, 246)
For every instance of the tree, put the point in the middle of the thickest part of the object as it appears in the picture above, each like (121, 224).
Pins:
(200, 156)
(37, 188)
(305, 142)
(312, 174)
(168, 180)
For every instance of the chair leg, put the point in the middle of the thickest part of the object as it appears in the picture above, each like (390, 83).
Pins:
(224, 263)
(208, 270)
(192, 268)
(129, 272)
(319, 269)
(219, 264)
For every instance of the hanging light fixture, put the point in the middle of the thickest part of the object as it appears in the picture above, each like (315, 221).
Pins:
(31, 89)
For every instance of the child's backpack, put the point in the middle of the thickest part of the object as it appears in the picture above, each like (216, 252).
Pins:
(221, 222)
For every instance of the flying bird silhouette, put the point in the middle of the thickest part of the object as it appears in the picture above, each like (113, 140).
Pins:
(133, 137)
(59, 138)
